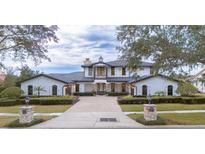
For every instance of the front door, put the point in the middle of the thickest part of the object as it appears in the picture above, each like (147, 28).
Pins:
(101, 88)
(68, 90)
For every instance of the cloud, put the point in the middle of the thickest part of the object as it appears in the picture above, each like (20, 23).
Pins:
(77, 43)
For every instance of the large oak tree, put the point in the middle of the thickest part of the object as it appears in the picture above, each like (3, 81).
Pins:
(21, 42)
(171, 46)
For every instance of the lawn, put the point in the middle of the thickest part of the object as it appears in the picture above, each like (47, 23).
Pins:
(173, 119)
(5, 121)
(164, 107)
(37, 108)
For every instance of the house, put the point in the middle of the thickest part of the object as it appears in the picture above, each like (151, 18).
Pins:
(101, 77)
(198, 80)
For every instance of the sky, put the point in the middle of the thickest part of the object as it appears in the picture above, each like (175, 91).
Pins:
(75, 44)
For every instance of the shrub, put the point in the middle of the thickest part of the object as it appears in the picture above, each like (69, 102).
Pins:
(159, 100)
(40, 101)
(84, 94)
(186, 89)
(16, 124)
(159, 93)
(117, 93)
(11, 92)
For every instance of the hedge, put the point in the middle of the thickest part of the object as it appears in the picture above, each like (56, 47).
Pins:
(158, 100)
(117, 93)
(39, 101)
(84, 94)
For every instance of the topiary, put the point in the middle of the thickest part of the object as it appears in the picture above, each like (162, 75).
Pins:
(11, 92)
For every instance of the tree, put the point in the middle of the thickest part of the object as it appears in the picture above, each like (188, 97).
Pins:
(21, 42)
(171, 47)
(25, 73)
(186, 89)
(39, 89)
(10, 79)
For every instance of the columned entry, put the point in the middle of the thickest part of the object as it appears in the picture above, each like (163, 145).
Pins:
(101, 88)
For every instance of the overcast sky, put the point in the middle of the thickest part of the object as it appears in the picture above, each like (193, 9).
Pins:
(77, 43)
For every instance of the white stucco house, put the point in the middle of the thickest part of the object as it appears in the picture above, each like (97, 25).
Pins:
(101, 77)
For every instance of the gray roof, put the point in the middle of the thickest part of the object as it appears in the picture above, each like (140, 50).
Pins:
(118, 63)
(124, 63)
(118, 79)
(71, 77)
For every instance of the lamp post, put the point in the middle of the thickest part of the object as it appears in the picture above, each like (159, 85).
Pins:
(27, 99)
(150, 110)
(26, 112)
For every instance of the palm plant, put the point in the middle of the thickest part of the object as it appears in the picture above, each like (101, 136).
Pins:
(39, 89)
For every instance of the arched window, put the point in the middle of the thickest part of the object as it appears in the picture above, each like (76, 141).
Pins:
(170, 90)
(136, 90)
(54, 90)
(30, 90)
(144, 90)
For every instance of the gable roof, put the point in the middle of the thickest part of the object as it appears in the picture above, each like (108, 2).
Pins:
(151, 76)
(120, 63)
(194, 76)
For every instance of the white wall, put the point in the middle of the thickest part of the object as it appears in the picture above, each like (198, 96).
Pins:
(156, 84)
(142, 71)
(45, 82)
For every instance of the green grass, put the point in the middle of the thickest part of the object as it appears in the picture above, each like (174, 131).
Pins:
(173, 119)
(13, 122)
(37, 108)
(164, 107)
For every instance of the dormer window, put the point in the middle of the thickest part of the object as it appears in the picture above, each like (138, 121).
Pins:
(90, 71)
(112, 71)
(123, 71)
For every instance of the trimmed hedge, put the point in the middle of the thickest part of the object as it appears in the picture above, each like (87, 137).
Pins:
(158, 100)
(84, 94)
(117, 93)
(39, 101)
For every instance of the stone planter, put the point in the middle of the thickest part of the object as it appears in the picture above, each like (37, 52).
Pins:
(26, 114)
(150, 112)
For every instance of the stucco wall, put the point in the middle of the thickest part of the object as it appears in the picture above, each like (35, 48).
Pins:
(156, 84)
(45, 82)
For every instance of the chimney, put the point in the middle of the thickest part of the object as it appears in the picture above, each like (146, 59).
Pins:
(87, 61)
(101, 59)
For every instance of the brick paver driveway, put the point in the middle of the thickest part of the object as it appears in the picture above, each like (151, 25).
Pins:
(88, 112)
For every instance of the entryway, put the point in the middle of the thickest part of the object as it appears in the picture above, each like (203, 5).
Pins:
(101, 88)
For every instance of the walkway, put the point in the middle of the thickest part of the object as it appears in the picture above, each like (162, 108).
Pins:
(88, 113)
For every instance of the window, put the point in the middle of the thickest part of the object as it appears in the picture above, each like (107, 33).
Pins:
(77, 87)
(30, 90)
(144, 90)
(100, 71)
(112, 71)
(170, 90)
(123, 71)
(54, 90)
(90, 71)
(123, 87)
(112, 87)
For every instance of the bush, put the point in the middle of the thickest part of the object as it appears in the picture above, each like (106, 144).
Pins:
(117, 93)
(186, 89)
(40, 101)
(160, 100)
(84, 94)
(11, 92)
(16, 124)
(160, 93)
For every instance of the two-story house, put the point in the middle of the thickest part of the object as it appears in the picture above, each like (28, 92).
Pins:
(101, 77)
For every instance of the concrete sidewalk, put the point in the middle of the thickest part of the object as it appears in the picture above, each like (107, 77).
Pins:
(177, 111)
(88, 112)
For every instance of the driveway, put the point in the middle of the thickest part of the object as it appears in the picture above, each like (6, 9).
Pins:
(90, 112)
